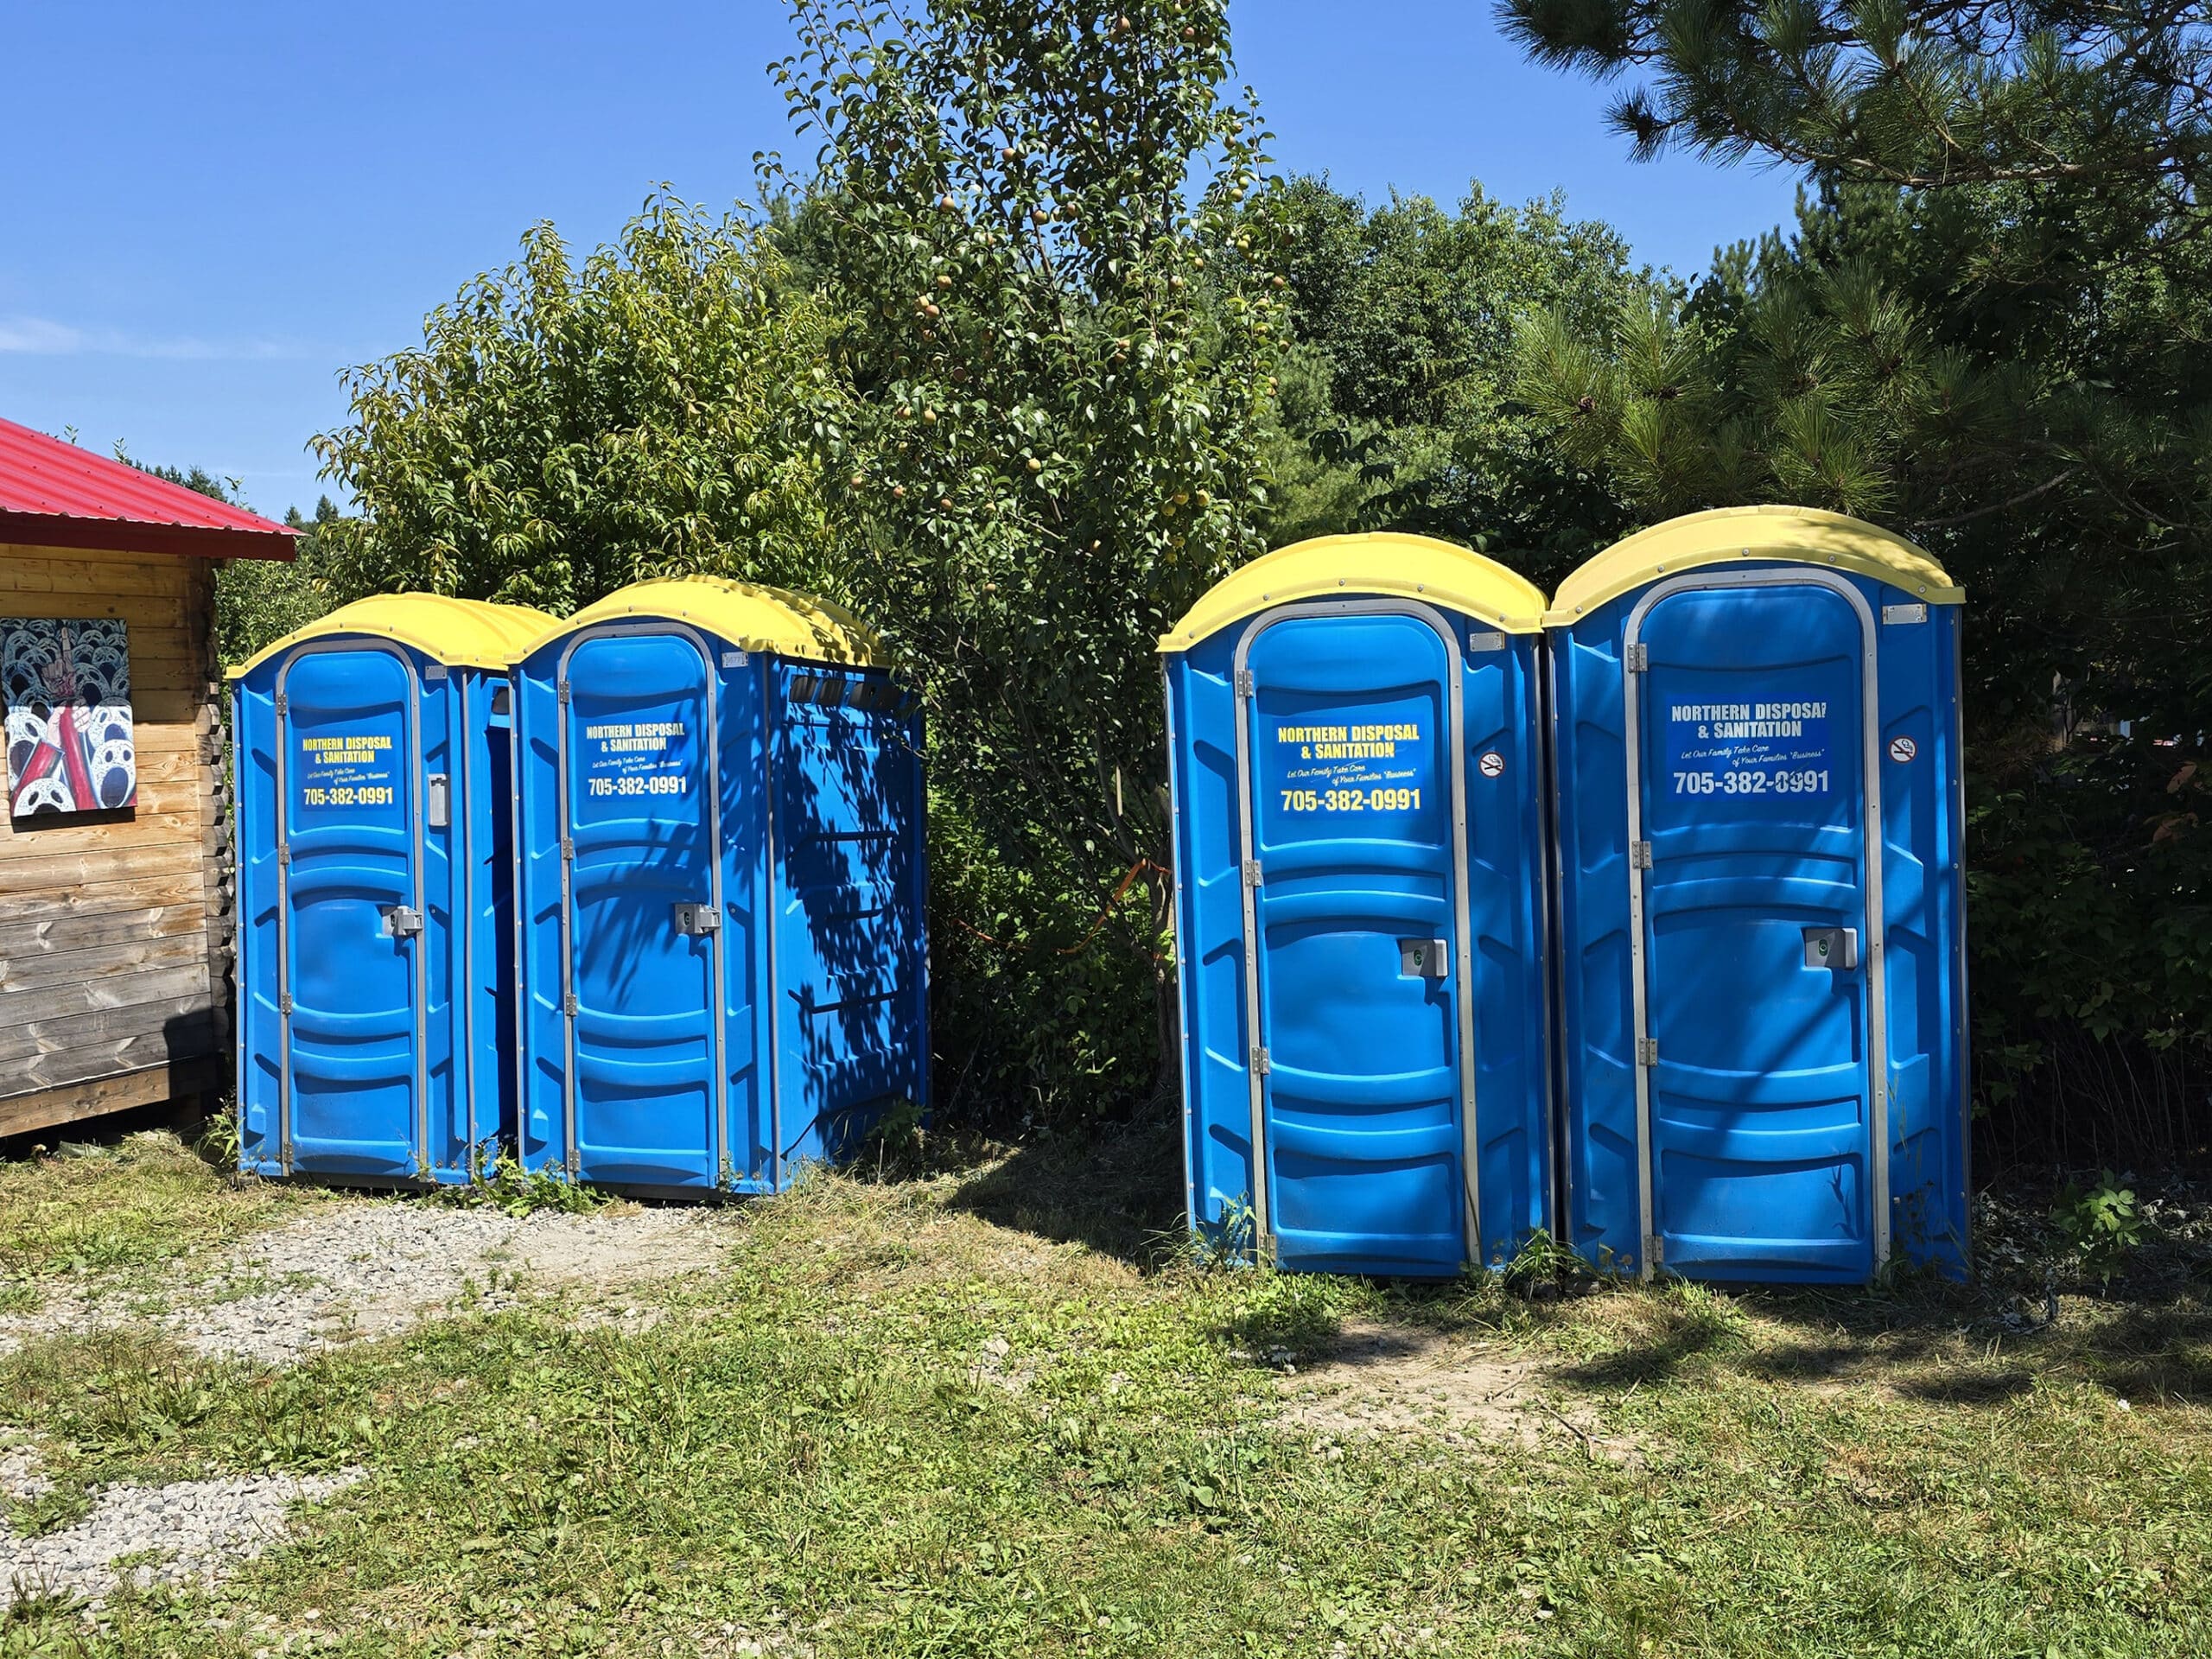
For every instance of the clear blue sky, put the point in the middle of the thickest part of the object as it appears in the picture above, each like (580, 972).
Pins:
(210, 209)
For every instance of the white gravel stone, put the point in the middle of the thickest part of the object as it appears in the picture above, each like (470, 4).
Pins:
(21, 1479)
(185, 1532)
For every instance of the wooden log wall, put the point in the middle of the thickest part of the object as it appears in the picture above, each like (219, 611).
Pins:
(115, 927)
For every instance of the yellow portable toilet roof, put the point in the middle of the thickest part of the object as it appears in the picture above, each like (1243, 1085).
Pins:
(1376, 562)
(748, 614)
(461, 632)
(1727, 535)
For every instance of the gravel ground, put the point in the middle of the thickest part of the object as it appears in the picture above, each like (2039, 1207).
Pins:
(345, 1272)
(185, 1532)
(370, 1269)
(22, 1479)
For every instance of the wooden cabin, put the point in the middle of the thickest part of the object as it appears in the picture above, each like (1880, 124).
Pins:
(115, 917)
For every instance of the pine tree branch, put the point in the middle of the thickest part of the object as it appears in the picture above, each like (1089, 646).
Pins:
(2021, 499)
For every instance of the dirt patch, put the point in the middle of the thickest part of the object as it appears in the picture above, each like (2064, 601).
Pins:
(1387, 1381)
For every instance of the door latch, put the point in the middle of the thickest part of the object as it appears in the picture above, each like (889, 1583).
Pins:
(1423, 958)
(401, 921)
(1832, 947)
(695, 919)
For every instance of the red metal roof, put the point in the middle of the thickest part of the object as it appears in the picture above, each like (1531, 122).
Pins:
(54, 494)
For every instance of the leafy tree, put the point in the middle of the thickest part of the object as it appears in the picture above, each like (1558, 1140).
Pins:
(1047, 227)
(564, 429)
(1990, 329)
(1396, 405)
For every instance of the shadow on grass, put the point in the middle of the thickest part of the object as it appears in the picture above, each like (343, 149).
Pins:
(1664, 1331)
(1985, 1345)
(2147, 1336)
(1119, 1190)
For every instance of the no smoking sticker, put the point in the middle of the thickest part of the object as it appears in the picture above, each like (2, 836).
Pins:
(1903, 749)
(1492, 765)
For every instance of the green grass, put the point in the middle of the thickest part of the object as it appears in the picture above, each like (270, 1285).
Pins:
(105, 1210)
(823, 1448)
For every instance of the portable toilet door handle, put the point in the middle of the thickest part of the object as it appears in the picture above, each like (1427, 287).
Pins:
(401, 921)
(696, 920)
(1423, 958)
(1832, 947)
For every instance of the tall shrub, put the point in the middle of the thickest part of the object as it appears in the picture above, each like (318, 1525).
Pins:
(1045, 225)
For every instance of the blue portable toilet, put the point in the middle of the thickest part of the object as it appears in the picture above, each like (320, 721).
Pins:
(722, 874)
(1762, 903)
(1355, 735)
(375, 885)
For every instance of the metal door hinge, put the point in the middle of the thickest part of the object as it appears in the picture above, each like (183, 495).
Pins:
(283, 1002)
(283, 854)
(568, 1004)
(1639, 854)
(402, 921)
(1243, 682)
(564, 694)
(575, 1164)
(1261, 1063)
(1254, 875)
(1646, 1051)
(567, 849)
(1639, 658)
(1655, 1249)
(280, 705)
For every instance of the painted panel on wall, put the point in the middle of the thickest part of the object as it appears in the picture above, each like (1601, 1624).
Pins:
(67, 682)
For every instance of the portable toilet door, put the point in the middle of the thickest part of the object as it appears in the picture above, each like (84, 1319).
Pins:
(1762, 901)
(374, 878)
(659, 1054)
(1356, 760)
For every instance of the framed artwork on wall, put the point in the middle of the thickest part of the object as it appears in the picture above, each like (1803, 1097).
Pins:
(66, 683)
